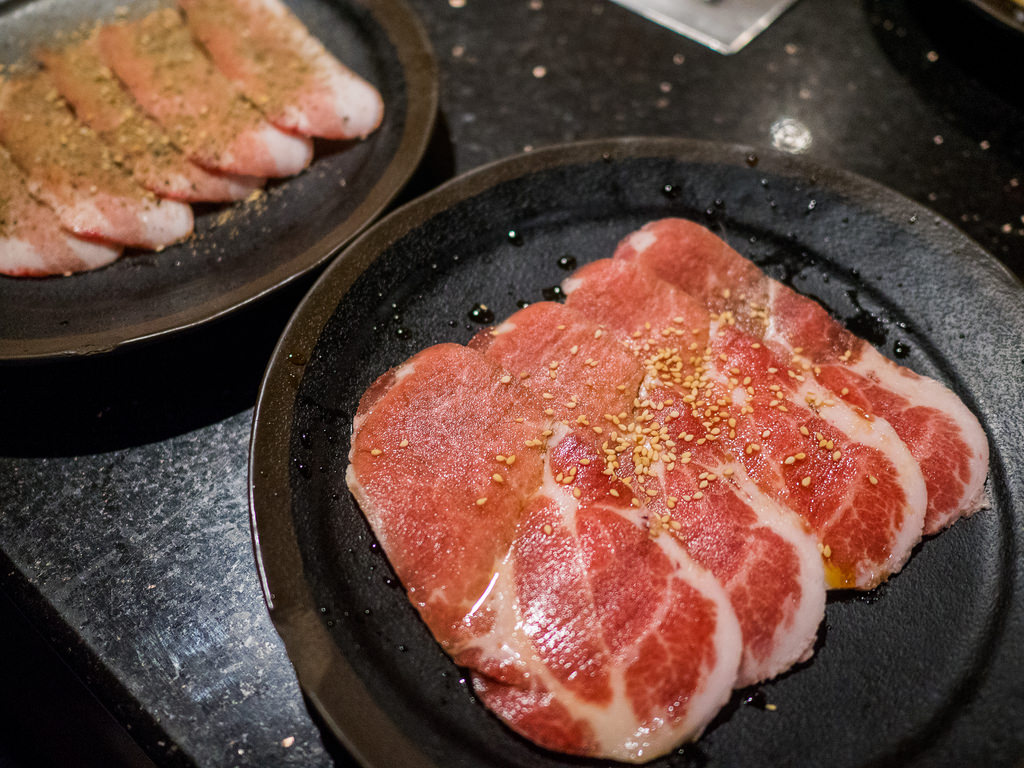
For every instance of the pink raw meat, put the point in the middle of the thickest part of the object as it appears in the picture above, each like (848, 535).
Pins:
(764, 555)
(942, 434)
(584, 633)
(204, 114)
(32, 243)
(135, 140)
(848, 476)
(72, 171)
(283, 69)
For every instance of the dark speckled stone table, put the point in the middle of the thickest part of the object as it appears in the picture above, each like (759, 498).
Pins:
(124, 526)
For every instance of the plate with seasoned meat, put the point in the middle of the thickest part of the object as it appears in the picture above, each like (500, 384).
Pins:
(189, 169)
(651, 451)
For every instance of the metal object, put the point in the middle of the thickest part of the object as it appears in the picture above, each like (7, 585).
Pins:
(722, 25)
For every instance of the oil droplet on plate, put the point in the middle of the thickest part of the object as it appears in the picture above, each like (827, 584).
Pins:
(757, 699)
(567, 262)
(481, 314)
(554, 293)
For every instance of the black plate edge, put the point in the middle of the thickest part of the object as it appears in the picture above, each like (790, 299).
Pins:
(1001, 12)
(415, 52)
(330, 682)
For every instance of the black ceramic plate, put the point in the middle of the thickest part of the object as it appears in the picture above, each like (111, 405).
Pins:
(927, 670)
(245, 251)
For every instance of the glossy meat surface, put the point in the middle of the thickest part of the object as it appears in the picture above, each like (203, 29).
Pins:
(584, 633)
(941, 433)
(765, 557)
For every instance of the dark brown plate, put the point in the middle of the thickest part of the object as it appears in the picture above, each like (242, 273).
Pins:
(242, 252)
(927, 670)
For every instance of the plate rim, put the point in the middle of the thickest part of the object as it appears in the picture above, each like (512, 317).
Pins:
(1000, 13)
(420, 69)
(323, 672)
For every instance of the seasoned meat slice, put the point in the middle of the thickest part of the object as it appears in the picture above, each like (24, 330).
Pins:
(942, 434)
(204, 114)
(583, 632)
(283, 69)
(69, 168)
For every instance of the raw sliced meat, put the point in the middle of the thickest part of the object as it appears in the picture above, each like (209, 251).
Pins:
(942, 434)
(584, 633)
(848, 476)
(764, 555)
(32, 243)
(136, 141)
(283, 69)
(204, 114)
(71, 170)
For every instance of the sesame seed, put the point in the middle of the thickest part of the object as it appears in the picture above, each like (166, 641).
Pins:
(376, 452)
(403, 444)
(873, 479)
(497, 478)
(506, 379)
(577, 492)
(481, 501)
(806, 481)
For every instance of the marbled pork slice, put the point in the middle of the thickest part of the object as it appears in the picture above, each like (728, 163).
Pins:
(204, 114)
(583, 633)
(136, 141)
(941, 432)
(631, 642)
(283, 69)
(69, 168)
(32, 243)
(848, 476)
(765, 556)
